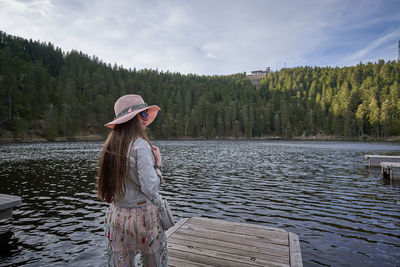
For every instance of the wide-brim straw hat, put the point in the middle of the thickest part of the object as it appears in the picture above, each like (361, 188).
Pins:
(128, 106)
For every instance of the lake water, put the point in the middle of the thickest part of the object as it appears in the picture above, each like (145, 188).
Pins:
(343, 213)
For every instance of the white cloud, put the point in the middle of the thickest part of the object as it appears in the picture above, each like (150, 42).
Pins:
(211, 55)
(204, 37)
(361, 54)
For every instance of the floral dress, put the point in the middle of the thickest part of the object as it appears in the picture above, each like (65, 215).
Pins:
(135, 237)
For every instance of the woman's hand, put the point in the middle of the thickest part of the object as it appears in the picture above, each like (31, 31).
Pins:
(157, 155)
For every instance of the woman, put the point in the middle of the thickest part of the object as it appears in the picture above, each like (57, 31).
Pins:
(129, 177)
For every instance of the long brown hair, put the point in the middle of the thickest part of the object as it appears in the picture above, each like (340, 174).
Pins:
(113, 162)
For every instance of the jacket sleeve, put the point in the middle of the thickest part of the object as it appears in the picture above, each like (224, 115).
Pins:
(149, 181)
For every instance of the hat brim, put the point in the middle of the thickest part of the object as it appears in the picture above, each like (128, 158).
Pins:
(152, 111)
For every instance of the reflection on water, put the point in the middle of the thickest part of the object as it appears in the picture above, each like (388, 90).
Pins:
(344, 213)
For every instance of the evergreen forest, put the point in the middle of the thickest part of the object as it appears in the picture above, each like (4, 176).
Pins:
(52, 94)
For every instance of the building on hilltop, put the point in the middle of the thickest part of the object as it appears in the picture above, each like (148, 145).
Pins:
(261, 72)
(256, 75)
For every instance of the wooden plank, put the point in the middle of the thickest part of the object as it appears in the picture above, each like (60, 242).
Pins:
(266, 255)
(203, 241)
(279, 250)
(222, 237)
(381, 156)
(203, 259)
(246, 229)
(375, 160)
(176, 262)
(216, 258)
(237, 237)
(390, 164)
(295, 252)
(238, 224)
(9, 201)
(174, 228)
(233, 237)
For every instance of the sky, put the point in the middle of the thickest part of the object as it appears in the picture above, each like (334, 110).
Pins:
(212, 37)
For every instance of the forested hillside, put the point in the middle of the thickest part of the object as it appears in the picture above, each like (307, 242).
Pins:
(48, 93)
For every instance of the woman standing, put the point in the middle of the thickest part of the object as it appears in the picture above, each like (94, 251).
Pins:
(129, 177)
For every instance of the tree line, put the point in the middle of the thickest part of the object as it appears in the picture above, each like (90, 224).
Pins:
(49, 93)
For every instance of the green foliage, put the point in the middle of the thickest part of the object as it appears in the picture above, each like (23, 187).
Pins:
(46, 92)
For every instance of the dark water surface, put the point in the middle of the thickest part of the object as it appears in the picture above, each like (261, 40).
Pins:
(344, 213)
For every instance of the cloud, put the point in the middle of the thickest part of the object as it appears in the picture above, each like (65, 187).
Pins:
(18, 16)
(212, 56)
(209, 37)
(362, 54)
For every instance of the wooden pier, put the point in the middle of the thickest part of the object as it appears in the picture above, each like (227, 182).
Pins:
(391, 170)
(7, 203)
(202, 241)
(375, 160)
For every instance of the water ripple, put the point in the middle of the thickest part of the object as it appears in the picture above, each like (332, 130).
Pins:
(318, 190)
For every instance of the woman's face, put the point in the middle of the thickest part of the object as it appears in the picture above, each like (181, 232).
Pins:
(143, 118)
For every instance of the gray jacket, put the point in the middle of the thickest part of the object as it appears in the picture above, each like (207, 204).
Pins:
(140, 163)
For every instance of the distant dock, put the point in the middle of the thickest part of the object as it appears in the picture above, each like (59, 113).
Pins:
(391, 170)
(376, 160)
(7, 203)
(202, 241)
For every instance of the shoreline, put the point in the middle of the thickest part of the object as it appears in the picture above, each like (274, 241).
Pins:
(79, 138)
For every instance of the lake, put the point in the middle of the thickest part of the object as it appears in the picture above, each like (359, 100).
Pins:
(344, 213)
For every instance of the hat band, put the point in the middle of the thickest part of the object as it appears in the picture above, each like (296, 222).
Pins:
(131, 109)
